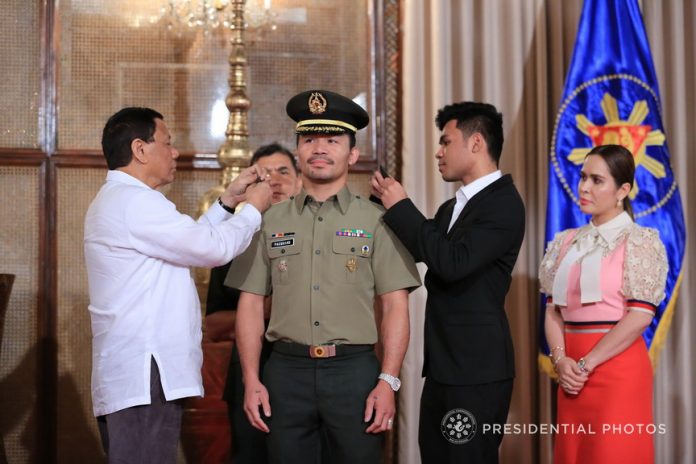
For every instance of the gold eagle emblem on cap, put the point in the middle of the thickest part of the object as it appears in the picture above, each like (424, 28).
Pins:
(317, 103)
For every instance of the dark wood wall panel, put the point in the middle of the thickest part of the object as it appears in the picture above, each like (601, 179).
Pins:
(20, 203)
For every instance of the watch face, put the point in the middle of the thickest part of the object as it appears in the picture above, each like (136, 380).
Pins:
(393, 382)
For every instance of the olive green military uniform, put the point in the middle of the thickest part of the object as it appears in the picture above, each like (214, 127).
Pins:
(324, 264)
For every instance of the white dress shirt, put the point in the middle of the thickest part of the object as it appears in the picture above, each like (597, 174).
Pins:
(467, 192)
(143, 301)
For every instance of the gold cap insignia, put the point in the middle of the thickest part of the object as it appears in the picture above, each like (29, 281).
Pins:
(317, 103)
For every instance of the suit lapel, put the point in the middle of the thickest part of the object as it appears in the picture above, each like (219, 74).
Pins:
(446, 215)
(471, 204)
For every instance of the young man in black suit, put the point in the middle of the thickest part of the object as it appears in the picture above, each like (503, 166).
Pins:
(470, 248)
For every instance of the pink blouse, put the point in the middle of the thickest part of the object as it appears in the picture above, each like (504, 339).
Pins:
(633, 271)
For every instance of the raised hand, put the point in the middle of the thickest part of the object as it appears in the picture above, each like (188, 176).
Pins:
(387, 189)
(236, 190)
(259, 195)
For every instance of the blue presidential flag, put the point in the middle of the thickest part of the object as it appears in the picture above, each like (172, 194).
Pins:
(611, 96)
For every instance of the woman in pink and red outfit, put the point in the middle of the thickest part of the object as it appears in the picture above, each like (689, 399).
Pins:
(604, 281)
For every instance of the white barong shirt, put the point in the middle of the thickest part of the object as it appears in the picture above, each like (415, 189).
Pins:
(143, 301)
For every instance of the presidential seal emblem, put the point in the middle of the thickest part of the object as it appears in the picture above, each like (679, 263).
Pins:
(317, 103)
(458, 426)
(616, 109)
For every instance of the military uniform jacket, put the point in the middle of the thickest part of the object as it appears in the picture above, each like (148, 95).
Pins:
(324, 264)
(467, 337)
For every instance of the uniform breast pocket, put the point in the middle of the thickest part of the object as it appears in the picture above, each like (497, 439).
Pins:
(352, 260)
(284, 255)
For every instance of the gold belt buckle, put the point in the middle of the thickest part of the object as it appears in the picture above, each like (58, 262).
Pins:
(322, 351)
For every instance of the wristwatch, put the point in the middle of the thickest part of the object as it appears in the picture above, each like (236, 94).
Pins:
(229, 209)
(393, 382)
(581, 366)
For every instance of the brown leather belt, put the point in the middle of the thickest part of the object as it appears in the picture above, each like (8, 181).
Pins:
(319, 351)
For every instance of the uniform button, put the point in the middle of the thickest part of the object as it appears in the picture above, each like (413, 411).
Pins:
(316, 287)
(282, 251)
(320, 218)
(316, 323)
(352, 249)
(357, 196)
(317, 252)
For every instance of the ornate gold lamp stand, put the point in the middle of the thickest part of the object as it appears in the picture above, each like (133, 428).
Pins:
(234, 154)
(206, 430)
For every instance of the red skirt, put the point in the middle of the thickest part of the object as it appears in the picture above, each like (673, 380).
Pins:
(611, 419)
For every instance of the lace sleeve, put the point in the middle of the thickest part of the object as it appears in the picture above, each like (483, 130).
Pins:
(550, 262)
(645, 268)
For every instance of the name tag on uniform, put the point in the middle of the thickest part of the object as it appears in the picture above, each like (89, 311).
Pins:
(283, 243)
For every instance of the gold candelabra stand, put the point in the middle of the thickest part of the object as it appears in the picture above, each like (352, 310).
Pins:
(234, 154)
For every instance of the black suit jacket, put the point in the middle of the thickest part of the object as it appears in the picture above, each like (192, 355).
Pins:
(467, 337)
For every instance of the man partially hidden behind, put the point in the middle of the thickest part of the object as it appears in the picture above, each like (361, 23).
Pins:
(325, 255)
(248, 443)
(146, 324)
(470, 248)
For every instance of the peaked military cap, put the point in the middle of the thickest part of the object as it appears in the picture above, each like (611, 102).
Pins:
(324, 112)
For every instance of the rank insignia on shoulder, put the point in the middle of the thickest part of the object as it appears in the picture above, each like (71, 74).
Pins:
(360, 233)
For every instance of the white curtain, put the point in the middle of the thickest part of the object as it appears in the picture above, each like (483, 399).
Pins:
(515, 54)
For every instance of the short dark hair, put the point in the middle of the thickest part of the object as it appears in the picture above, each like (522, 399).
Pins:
(272, 149)
(351, 137)
(474, 117)
(122, 128)
(622, 167)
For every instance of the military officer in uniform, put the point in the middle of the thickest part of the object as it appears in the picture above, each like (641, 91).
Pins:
(248, 443)
(325, 254)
